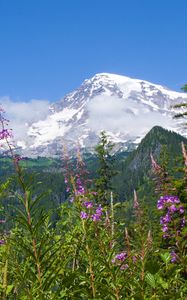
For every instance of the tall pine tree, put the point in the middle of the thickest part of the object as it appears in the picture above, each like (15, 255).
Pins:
(106, 169)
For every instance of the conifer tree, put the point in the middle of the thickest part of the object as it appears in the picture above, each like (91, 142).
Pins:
(184, 88)
(106, 168)
(182, 105)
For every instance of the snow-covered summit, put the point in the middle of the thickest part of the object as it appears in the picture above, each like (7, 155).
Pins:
(130, 84)
(124, 107)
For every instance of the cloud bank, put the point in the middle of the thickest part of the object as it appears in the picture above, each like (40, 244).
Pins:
(22, 114)
(126, 116)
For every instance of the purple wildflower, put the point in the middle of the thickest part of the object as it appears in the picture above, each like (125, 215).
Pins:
(181, 210)
(166, 236)
(160, 203)
(119, 259)
(173, 256)
(134, 259)
(71, 199)
(65, 180)
(80, 187)
(99, 210)
(5, 133)
(123, 267)
(170, 204)
(96, 217)
(80, 190)
(172, 208)
(84, 215)
(183, 222)
(172, 199)
(98, 214)
(164, 228)
(121, 256)
(88, 204)
(2, 242)
(166, 219)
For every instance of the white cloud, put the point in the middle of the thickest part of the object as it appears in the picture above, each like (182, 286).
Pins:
(127, 116)
(22, 114)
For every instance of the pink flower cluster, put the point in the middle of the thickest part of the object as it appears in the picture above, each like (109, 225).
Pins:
(119, 259)
(96, 216)
(164, 200)
(171, 205)
(174, 256)
(5, 133)
(79, 186)
(80, 190)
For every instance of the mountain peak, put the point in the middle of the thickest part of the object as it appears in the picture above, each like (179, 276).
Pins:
(110, 76)
(122, 79)
(125, 108)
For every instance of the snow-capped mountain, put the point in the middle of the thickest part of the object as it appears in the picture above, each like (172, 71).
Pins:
(125, 108)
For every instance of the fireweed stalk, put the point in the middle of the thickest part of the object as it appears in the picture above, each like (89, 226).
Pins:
(2, 238)
(162, 180)
(143, 252)
(173, 222)
(90, 259)
(144, 240)
(173, 218)
(6, 135)
(75, 181)
(88, 212)
(92, 216)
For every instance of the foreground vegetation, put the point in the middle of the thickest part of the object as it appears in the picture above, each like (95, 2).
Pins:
(97, 247)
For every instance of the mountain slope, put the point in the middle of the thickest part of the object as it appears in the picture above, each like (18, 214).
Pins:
(133, 168)
(125, 108)
(137, 166)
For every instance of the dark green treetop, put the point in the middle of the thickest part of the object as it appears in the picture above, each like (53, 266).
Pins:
(106, 168)
(184, 105)
(184, 88)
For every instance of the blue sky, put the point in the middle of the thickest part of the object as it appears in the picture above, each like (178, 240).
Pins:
(48, 47)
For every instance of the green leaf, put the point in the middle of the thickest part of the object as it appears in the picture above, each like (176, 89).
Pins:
(9, 289)
(163, 283)
(165, 257)
(150, 279)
